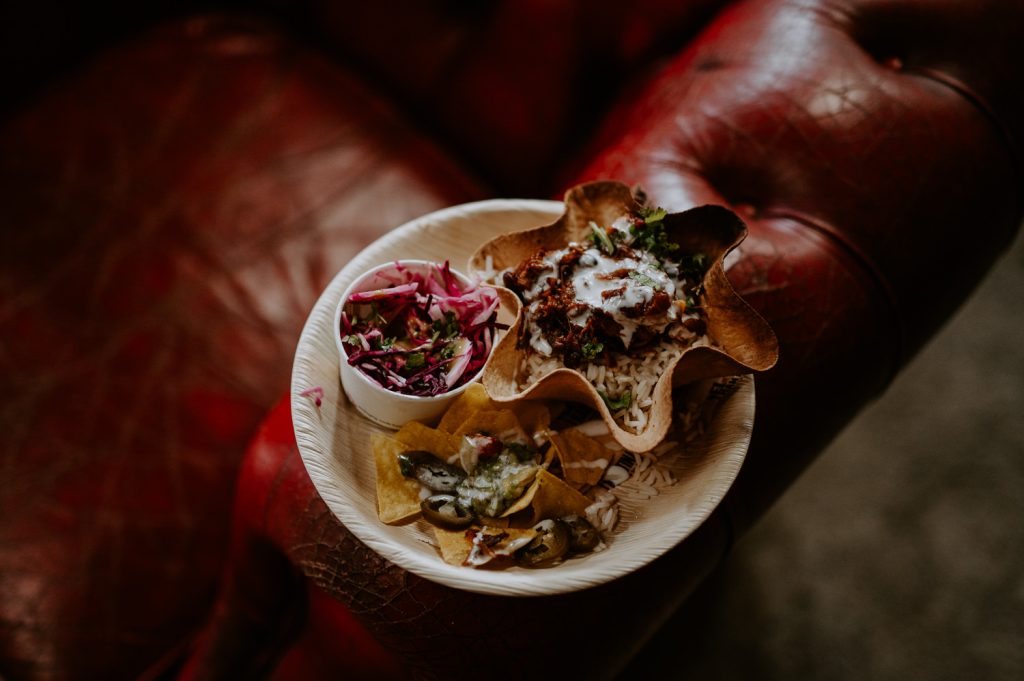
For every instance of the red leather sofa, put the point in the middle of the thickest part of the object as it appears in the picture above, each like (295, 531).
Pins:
(180, 185)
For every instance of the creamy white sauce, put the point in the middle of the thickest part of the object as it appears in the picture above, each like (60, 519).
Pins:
(592, 277)
(595, 428)
(601, 282)
(481, 554)
(596, 463)
(616, 475)
(537, 340)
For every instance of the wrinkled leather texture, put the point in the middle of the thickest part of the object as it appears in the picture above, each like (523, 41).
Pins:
(170, 217)
(162, 246)
(515, 88)
(846, 258)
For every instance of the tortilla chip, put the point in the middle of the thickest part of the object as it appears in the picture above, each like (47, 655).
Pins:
(533, 415)
(740, 339)
(473, 400)
(501, 423)
(415, 435)
(547, 497)
(584, 459)
(455, 545)
(398, 497)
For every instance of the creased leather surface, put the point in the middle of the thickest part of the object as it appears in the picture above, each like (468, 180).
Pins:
(515, 87)
(163, 244)
(851, 174)
(170, 215)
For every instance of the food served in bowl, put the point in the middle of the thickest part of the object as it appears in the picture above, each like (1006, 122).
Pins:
(335, 440)
(412, 334)
(617, 304)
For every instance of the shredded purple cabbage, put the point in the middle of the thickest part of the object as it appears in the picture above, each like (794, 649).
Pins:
(420, 335)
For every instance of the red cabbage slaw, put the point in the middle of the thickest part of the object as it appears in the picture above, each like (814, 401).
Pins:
(422, 334)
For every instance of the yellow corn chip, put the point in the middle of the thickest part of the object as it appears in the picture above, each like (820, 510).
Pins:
(415, 435)
(474, 399)
(502, 424)
(583, 458)
(533, 415)
(456, 545)
(398, 497)
(453, 544)
(547, 497)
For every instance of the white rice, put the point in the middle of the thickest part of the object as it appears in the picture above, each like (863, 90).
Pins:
(638, 374)
(647, 475)
(603, 514)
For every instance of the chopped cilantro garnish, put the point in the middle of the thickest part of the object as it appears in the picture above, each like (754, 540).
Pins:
(652, 215)
(447, 352)
(693, 264)
(590, 350)
(601, 239)
(415, 360)
(448, 327)
(642, 279)
(650, 234)
(387, 343)
(375, 314)
(617, 403)
(521, 451)
(351, 339)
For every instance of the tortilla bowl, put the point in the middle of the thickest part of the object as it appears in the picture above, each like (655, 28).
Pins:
(739, 340)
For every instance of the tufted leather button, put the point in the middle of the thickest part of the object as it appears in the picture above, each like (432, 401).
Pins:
(893, 63)
(858, 150)
(745, 210)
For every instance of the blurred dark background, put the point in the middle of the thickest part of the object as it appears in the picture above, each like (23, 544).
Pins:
(45, 41)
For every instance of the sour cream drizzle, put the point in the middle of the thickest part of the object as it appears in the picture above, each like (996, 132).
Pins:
(605, 283)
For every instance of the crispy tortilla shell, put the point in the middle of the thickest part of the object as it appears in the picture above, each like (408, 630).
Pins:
(740, 340)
